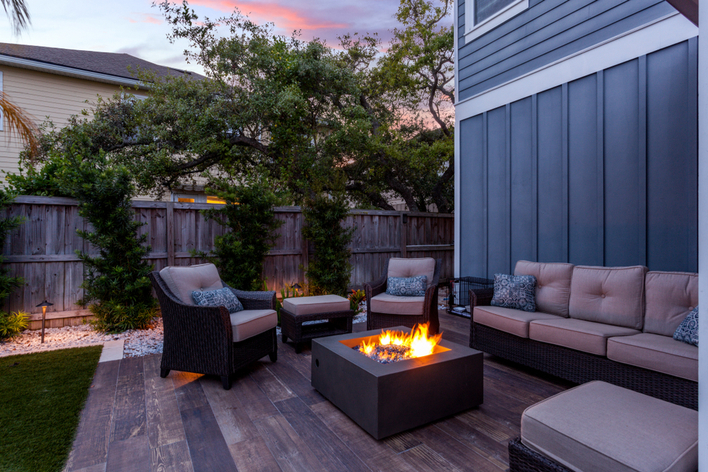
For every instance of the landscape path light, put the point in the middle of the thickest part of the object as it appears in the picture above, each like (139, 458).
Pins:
(44, 306)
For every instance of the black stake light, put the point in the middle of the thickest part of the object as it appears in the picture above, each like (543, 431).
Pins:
(44, 306)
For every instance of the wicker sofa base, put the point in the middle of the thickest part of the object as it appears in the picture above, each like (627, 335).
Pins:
(580, 367)
(524, 459)
(338, 322)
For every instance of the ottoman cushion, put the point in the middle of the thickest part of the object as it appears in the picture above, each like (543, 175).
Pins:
(313, 305)
(248, 323)
(597, 426)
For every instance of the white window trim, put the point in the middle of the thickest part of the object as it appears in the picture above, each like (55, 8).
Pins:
(473, 31)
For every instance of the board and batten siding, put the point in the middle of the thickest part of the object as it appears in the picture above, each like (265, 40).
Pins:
(548, 31)
(598, 171)
(43, 96)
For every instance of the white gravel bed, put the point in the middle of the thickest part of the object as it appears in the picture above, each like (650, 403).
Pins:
(137, 342)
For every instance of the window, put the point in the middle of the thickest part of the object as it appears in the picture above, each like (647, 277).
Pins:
(185, 200)
(482, 16)
(215, 200)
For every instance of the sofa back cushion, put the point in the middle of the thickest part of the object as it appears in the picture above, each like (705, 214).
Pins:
(409, 267)
(182, 281)
(552, 284)
(610, 295)
(670, 298)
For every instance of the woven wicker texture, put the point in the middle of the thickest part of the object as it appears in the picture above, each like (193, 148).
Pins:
(199, 339)
(581, 367)
(523, 459)
(339, 322)
(384, 320)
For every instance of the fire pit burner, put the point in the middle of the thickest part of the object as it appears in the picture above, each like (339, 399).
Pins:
(394, 346)
(386, 399)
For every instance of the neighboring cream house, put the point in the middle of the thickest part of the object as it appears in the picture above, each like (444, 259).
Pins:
(58, 83)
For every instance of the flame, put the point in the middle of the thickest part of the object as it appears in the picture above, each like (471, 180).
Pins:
(419, 343)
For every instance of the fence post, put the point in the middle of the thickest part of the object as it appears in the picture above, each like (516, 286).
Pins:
(404, 235)
(304, 249)
(170, 217)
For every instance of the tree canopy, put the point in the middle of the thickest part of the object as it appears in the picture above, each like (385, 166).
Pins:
(376, 124)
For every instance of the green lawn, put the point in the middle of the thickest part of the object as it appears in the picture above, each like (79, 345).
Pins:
(41, 397)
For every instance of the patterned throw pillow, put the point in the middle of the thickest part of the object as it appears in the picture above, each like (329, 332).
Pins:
(515, 291)
(221, 297)
(687, 331)
(407, 286)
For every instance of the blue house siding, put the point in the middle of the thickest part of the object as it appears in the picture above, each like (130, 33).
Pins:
(598, 171)
(547, 31)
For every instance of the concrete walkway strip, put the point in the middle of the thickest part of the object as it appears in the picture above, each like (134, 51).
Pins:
(112, 351)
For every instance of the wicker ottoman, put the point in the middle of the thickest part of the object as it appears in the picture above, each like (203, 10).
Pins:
(332, 310)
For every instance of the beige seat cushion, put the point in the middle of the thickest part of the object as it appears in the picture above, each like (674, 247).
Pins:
(611, 295)
(656, 352)
(182, 281)
(552, 285)
(670, 298)
(581, 335)
(319, 304)
(248, 323)
(393, 305)
(509, 320)
(410, 267)
(601, 427)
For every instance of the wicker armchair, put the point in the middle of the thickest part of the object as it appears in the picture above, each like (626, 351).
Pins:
(429, 311)
(200, 338)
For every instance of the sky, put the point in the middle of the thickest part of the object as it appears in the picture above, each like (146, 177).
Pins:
(136, 27)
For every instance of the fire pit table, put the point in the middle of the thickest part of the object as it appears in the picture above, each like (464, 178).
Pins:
(331, 313)
(386, 399)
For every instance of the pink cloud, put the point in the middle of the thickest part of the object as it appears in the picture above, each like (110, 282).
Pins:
(145, 18)
(283, 17)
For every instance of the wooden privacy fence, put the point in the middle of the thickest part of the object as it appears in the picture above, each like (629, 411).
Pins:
(42, 250)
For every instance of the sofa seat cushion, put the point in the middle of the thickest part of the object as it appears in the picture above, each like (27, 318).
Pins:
(394, 305)
(552, 284)
(248, 323)
(659, 353)
(182, 281)
(312, 305)
(509, 320)
(670, 297)
(597, 427)
(581, 335)
(611, 295)
(412, 266)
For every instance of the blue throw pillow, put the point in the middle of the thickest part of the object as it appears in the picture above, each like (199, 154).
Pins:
(221, 297)
(407, 286)
(515, 291)
(687, 331)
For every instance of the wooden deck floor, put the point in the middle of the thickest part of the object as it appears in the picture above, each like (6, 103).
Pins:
(272, 419)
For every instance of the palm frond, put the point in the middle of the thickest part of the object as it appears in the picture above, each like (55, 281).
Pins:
(21, 123)
(17, 11)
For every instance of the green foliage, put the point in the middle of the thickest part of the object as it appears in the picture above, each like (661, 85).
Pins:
(116, 282)
(330, 270)
(7, 224)
(42, 396)
(12, 324)
(250, 219)
(355, 299)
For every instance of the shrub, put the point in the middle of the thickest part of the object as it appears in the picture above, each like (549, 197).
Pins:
(249, 217)
(330, 270)
(10, 324)
(116, 283)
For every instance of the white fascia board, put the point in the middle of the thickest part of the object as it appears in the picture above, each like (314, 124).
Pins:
(456, 177)
(646, 39)
(69, 71)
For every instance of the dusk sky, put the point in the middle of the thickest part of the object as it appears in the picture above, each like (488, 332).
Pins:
(137, 28)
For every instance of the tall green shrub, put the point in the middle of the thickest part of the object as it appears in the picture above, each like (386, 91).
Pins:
(250, 220)
(330, 270)
(10, 324)
(116, 283)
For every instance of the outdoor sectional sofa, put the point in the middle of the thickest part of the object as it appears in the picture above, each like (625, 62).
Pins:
(599, 323)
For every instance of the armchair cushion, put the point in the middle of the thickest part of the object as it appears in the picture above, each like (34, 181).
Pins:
(394, 305)
(248, 323)
(220, 297)
(407, 286)
(182, 281)
(409, 267)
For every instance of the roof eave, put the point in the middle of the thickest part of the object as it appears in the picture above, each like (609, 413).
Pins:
(70, 72)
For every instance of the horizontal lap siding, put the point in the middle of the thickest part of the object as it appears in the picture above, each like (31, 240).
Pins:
(598, 171)
(42, 250)
(547, 31)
